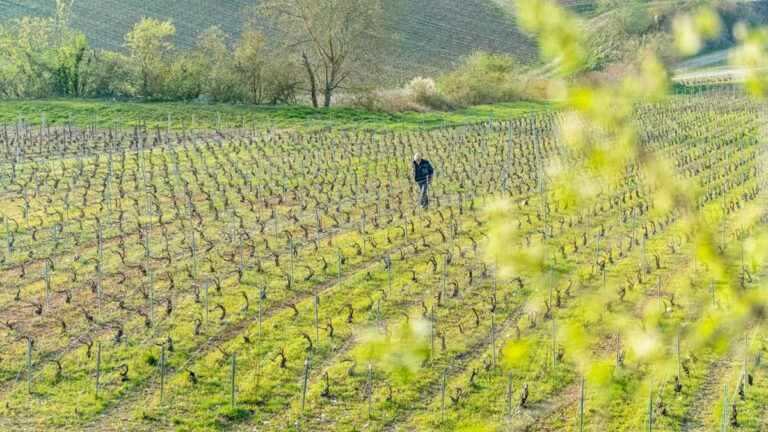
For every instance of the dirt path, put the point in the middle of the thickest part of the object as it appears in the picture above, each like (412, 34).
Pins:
(703, 60)
(708, 394)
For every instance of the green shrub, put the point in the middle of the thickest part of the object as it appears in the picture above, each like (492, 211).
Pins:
(151, 360)
(423, 91)
(481, 78)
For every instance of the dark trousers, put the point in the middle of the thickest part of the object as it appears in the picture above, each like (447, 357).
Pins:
(424, 193)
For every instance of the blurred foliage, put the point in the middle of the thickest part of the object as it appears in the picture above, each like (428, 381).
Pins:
(560, 35)
(750, 56)
(400, 352)
(603, 142)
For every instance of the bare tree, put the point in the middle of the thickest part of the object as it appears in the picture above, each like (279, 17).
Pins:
(339, 41)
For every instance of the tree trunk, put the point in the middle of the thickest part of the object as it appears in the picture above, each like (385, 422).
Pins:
(312, 80)
(328, 96)
(144, 82)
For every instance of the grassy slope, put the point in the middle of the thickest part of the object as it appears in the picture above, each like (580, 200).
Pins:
(435, 32)
(84, 112)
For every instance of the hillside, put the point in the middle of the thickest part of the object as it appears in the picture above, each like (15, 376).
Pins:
(434, 32)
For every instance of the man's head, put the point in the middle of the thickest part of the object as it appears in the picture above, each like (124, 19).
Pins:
(417, 158)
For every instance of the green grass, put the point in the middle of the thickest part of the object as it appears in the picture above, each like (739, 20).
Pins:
(85, 112)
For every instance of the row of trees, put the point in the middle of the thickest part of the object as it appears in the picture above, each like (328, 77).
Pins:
(324, 46)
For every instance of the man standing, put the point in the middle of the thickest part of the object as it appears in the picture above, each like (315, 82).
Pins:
(422, 173)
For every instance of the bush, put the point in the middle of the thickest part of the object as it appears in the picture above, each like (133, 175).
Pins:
(537, 88)
(185, 77)
(282, 80)
(111, 74)
(388, 101)
(481, 78)
(423, 91)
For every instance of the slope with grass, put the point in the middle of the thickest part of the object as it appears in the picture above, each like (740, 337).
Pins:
(100, 113)
(435, 33)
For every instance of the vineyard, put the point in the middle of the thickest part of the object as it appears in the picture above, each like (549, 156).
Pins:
(183, 276)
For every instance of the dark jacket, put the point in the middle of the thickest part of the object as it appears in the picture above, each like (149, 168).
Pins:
(423, 171)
